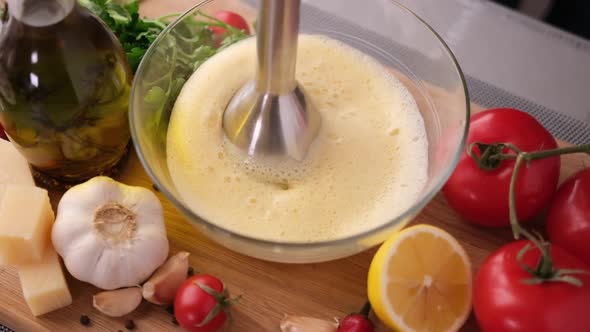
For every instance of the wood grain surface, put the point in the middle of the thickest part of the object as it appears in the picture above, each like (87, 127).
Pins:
(269, 290)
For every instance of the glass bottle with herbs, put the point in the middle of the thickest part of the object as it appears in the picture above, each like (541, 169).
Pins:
(64, 89)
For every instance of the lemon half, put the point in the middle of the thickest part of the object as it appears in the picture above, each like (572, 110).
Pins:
(420, 280)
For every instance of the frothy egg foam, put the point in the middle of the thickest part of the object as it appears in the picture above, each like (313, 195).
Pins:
(367, 165)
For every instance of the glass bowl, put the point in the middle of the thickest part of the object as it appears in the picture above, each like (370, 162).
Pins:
(401, 41)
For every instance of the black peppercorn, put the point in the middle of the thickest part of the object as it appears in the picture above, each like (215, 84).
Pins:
(191, 271)
(84, 320)
(129, 324)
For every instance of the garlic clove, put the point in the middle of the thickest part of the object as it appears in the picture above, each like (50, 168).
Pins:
(307, 324)
(162, 286)
(117, 303)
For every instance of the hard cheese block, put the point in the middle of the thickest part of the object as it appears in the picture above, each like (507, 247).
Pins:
(14, 168)
(26, 218)
(44, 285)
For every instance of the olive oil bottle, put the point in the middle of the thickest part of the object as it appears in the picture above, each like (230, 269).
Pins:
(64, 90)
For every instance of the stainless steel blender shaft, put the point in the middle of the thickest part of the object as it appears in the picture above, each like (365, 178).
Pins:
(271, 115)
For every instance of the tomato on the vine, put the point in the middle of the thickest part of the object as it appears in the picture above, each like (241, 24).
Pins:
(503, 301)
(230, 18)
(481, 196)
(202, 304)
(568, 216)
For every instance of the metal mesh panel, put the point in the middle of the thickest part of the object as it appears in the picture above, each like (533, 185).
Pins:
(560, 125)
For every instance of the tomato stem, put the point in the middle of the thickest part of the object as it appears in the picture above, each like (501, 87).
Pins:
(516, 229)
(521, 157)
(557, 152)
(366, 309)
(490, 158)
(223, 303)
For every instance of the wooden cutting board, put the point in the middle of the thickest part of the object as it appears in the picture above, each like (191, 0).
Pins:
(269, 290)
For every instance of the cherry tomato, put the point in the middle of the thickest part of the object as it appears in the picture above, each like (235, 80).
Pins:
(230, 18)
(502, 302)
(481, 196)
(568, 217)
(356, 323)
(196, 302)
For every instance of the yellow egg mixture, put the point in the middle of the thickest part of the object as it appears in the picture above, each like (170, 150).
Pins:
(367, 165)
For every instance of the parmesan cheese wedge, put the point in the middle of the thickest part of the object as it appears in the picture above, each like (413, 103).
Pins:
(26, 218)
(44, 285)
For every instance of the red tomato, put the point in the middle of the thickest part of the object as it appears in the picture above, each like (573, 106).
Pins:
(230, 18)
(193, 304)
(503, 303)
(356, 323)
(568, 217)
(481, 196)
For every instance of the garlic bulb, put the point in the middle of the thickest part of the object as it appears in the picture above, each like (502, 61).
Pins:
(109, 234)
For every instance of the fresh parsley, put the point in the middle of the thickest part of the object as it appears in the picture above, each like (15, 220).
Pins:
(136, 34)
